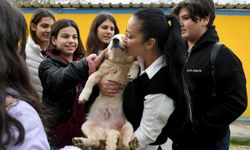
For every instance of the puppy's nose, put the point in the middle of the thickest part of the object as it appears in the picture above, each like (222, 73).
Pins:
(115, 41)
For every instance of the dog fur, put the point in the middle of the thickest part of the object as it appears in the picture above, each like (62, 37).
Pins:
(106, 123)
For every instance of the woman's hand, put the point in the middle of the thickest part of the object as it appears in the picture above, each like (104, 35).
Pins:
(95, 61)
(91, 63)
(108, 87)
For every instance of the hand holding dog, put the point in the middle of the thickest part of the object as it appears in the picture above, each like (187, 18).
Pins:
(108, 87)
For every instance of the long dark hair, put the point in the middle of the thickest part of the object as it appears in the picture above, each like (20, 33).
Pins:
(165, 29)
(56, 27)
(37, 17)
(14, 73)
(93, 43)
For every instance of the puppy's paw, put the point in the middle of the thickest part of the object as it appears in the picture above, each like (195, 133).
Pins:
(78, 141)
(134, 144)
(132, 76)
(133, 71)
(82, 98)
(82, 101)
(130, 79)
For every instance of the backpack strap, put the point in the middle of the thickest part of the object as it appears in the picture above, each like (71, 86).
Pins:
(213, 55)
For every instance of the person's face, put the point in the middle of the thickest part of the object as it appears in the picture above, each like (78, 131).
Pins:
(190, 30)
(43, 29)
(133, 41)
(66, 41)
(105, 31)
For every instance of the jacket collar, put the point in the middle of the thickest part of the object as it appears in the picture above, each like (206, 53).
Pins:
(34, 46)
(57, 58)
(210, 36)
(60, 58)
(154, 67)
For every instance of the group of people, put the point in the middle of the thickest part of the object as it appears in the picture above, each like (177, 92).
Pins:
(40, 85)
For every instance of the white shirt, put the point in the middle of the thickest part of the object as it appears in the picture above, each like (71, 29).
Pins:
(35, 136)
(157, 110)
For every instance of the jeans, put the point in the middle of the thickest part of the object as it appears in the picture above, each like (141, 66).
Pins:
(220, 144)
(205, 144)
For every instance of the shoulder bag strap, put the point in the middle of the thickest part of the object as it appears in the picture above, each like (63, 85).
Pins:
(213, 55)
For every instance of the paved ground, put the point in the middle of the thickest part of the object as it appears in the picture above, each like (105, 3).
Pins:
(240, 131)
(239, 147)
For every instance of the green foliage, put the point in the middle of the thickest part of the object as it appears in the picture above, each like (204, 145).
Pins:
(239, 142)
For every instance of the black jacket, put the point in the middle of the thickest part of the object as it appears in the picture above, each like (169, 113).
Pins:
(212, 115)
(62, 82)
(60, 79)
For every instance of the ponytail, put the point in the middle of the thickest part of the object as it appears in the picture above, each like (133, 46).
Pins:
(165, 29)
(175, 56)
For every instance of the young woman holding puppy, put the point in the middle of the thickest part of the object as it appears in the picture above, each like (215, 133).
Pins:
(156, 102)
(156, 98)
(21, 113)
(62, 75)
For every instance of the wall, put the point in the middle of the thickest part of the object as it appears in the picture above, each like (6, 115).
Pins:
(233, 27)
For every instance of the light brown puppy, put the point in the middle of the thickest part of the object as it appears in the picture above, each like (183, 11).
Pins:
(106, 123)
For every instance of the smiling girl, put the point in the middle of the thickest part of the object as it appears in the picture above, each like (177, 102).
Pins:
(62, 76)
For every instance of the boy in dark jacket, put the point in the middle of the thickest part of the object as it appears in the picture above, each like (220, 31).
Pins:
(211, 114)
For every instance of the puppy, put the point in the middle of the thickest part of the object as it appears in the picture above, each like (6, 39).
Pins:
(106, 123)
